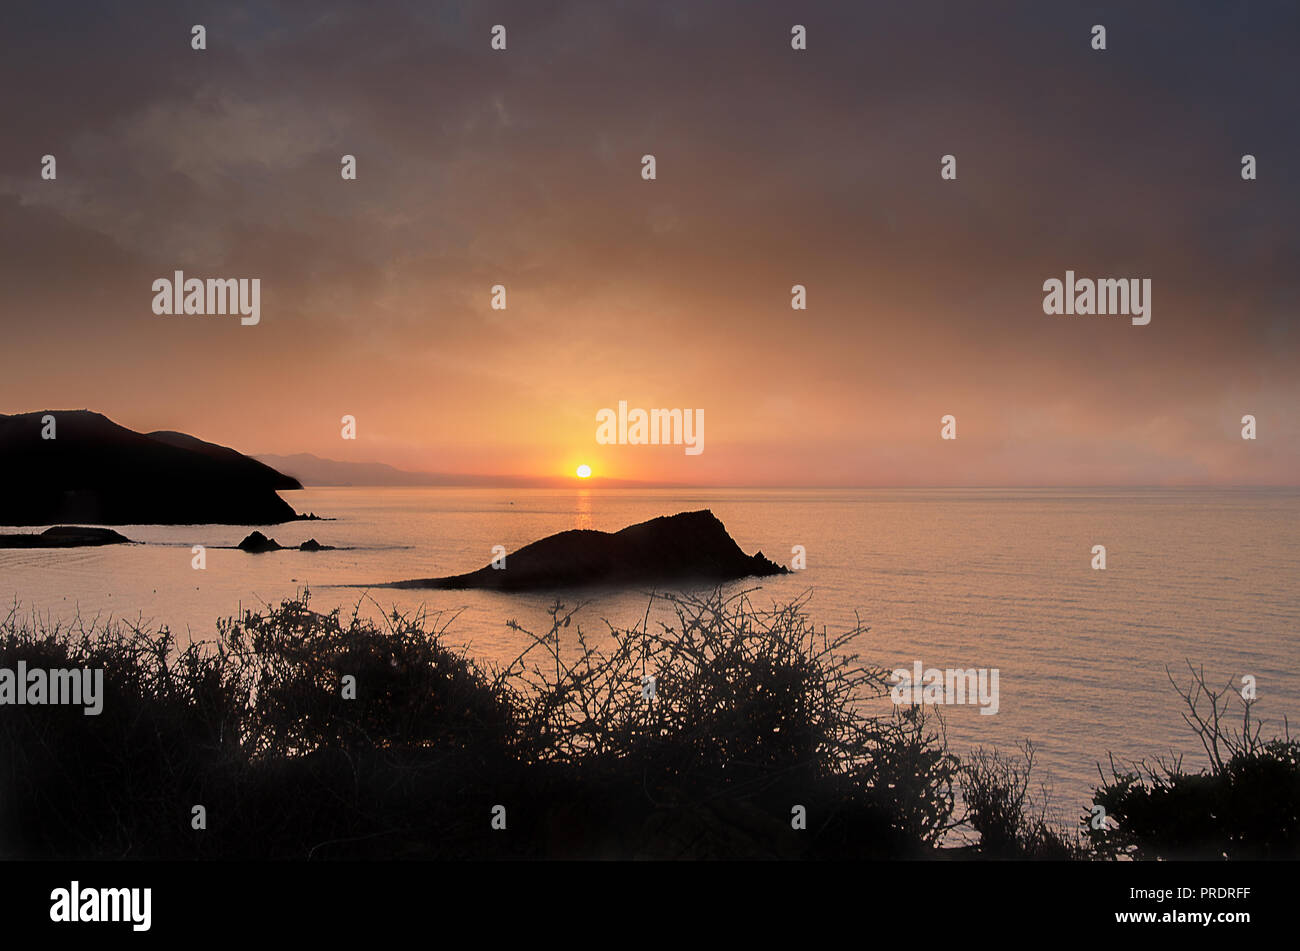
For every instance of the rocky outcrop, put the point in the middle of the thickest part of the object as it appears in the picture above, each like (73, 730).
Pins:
(256, 543)
(97, 472)
(690, 546)
(65, 536)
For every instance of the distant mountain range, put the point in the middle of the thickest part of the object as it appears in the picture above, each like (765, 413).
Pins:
(80, 466)
(313, 470)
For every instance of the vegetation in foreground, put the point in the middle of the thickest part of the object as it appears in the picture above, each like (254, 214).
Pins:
(751, 713)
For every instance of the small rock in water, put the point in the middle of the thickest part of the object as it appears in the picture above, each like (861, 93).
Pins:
(257, 542)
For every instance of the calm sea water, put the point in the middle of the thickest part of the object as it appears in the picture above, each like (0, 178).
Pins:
(953, 578)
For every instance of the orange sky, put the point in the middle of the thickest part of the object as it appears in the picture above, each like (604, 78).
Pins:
(774, 168)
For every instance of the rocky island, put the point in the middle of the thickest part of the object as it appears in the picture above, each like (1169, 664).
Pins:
(65, 536)
(256, 543)
(688, 546)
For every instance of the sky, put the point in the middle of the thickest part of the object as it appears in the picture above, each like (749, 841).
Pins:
(774, 167)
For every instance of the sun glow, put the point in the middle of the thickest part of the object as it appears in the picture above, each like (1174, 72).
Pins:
(584, 471)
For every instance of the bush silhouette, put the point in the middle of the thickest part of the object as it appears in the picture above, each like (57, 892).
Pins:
(1010, 817)
(753, 713)
(1246, 805)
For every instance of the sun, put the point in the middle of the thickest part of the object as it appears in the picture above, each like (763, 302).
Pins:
(584, 471)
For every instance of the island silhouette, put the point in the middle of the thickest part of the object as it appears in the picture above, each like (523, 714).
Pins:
(65, 536)
(682, 547)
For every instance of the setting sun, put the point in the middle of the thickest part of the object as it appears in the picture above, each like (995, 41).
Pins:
(584, 471)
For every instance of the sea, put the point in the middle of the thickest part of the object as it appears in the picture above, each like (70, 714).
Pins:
(999, 579)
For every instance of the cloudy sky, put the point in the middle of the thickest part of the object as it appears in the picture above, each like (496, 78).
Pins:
(523, 167)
